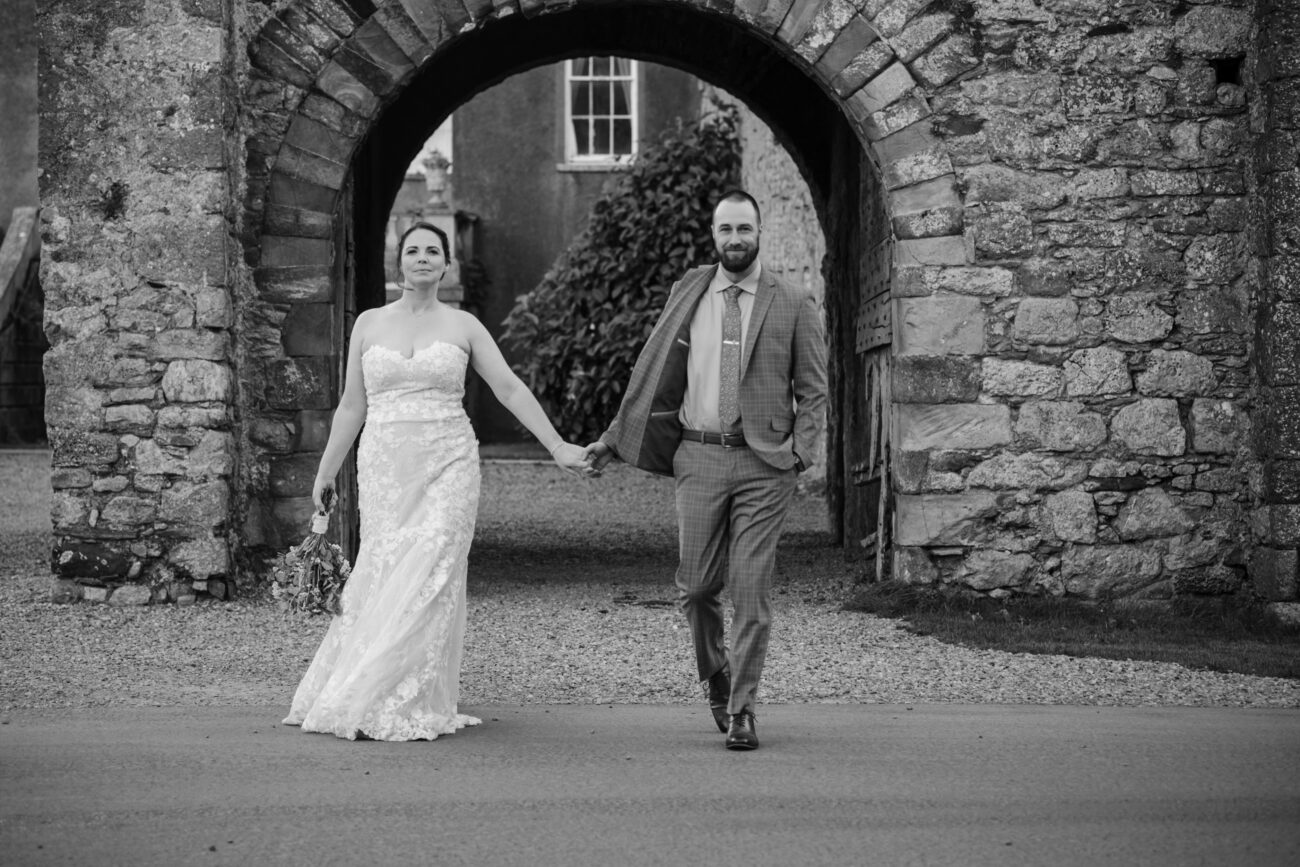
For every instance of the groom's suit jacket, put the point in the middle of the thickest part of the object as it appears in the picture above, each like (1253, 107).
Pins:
(782, 378)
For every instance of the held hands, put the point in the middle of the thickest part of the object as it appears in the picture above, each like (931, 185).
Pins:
(598, 456)
(572, 459)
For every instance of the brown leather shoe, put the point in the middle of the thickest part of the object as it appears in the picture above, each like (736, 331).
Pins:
(742, 735)
(718, 688)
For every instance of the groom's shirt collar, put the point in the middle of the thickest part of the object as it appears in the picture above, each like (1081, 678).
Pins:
(749, 284)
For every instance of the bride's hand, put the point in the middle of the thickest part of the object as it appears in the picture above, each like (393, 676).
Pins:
(572, 459)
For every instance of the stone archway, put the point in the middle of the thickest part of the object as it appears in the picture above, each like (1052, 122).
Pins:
(1066, 351)
(826, 80)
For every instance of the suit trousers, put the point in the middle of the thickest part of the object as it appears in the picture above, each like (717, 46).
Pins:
(731, 508)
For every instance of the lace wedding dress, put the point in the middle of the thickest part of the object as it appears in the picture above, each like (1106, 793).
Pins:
(389, 667)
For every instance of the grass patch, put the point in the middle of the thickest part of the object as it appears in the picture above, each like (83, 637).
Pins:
(1207, 634)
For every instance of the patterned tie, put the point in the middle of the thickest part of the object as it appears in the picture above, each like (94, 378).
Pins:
(729, 370)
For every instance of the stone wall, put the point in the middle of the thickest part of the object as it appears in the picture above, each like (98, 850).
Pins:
(1070, 185)
(793, 243)
(1276, 224)
(134, 192)
(1074, 411)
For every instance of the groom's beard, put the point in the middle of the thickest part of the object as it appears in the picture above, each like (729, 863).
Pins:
(738, 260)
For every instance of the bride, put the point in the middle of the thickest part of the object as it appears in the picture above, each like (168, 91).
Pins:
(389, 666)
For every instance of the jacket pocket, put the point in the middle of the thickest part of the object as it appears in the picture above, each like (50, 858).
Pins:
(783, 423)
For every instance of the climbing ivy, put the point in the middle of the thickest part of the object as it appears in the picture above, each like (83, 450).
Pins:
(579, 331)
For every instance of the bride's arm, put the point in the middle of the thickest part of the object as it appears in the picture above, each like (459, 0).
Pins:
(515, 396)
(348, 418)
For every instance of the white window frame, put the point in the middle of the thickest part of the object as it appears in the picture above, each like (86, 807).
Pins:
(573, 161)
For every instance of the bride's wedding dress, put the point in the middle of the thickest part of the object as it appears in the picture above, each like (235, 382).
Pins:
(389, 667)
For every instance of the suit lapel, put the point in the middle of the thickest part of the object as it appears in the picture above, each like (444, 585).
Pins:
(762, 301)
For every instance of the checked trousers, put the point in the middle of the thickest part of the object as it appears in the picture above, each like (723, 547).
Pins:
(731, 508)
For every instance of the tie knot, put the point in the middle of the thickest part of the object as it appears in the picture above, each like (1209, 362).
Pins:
(733, 292)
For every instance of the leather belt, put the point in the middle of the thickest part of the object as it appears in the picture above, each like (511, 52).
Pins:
(729, 441)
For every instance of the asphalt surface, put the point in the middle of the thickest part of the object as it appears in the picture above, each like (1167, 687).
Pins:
(632, 785)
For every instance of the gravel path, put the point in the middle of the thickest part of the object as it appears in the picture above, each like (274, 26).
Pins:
(570, 602)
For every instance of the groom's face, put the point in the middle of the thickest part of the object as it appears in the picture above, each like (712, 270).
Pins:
(735, 234)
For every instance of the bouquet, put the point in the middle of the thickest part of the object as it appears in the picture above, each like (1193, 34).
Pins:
(309, 577)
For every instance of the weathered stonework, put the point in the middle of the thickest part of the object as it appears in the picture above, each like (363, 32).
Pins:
(1091, 264)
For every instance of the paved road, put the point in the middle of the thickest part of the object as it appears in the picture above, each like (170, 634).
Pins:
(632, 785)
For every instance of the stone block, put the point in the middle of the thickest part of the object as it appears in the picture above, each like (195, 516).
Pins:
(1214, 580)
(1093, 184)
(343, 87)
(939, 325)
(1009, 378)
(1214, 31)
(1092, 96)
(892, 16)
(62, 478)
(945, 61)
(848, 45)
(1216, 258)
(917, 168)
(1214, 426)
(131, 595)
(944, 519)
(415, 41)
(310, 167)
(100, 560)
(299, 383)
(201, 504)
(914, 566)
(865, 65)
(308, 330)
(1177, 374)
(1060, 427)
(189, 343)
(202, 557)
(1070, 516)
(313, 430)
(127, 511)
(928, 195)
(1280, 425)
(1137, 318)
(891, 85)
(1152, 182)
(931, 251)
(1108, 571)
(1097, 372)
(196, 381)
(935, 379)
(988, 569)
(1150, 513)
(1274, 573)
(921, 34)
(309, 284)
(1193, 550)
(1280, 343)
(1278, 525)
(1048, 321)
(816, 27)
(989, 183)
(63, 591)
(1282, 481)
(1027, 472)
(919, 427)
(936, 223)
(1000, 230)
(902, 115)
(92, 593)
(1210, 311)
(1151, 426)
(129, 418)
(293, 475)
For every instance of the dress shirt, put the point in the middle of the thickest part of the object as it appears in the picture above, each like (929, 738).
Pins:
(700, 402)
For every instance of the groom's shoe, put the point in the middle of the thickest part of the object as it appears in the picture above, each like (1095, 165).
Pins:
(742, 735)
(718, 688)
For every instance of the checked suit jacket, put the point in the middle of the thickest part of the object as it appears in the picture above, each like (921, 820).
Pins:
(782, 378)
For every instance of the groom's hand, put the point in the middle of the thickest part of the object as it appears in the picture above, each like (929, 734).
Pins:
(598, 456)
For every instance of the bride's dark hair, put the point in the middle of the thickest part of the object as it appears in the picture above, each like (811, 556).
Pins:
(442, 236)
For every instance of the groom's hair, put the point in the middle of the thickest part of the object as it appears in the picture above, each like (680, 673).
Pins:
(738, 195)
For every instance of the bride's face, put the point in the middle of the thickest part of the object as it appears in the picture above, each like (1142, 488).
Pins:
(423, 259)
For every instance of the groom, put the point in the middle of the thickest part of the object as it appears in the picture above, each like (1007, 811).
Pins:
(728, 396)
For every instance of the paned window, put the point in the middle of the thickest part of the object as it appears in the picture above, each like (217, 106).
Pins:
(600, 104)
